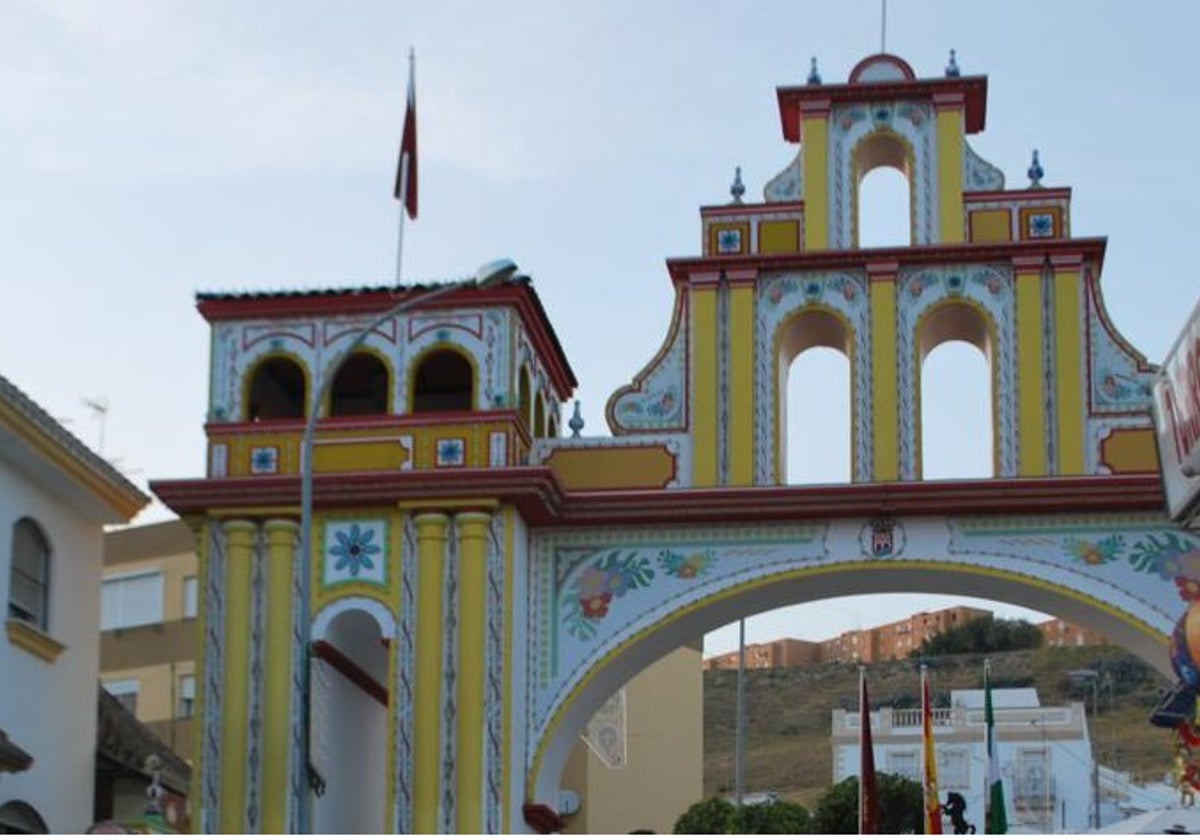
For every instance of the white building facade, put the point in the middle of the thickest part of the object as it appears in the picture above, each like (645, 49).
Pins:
(1045, 756)
(55, 497)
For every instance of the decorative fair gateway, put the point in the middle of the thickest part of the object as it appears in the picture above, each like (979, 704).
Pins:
(517, 578)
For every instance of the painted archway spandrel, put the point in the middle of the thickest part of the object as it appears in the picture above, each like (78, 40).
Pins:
(980, 175)
(850, 125)
(989, 289)
(1120, 378)
(784, 296)
(658, 398)
(788, 185)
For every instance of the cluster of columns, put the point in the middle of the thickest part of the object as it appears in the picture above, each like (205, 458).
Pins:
(279, 540)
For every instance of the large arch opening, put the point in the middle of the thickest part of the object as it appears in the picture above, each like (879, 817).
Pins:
(883, 213)
(360, 387)
(648, 645)
(443, 381)
(814, 399)
(350, 705)
(17, 817)
(277, 391)
(956, 417)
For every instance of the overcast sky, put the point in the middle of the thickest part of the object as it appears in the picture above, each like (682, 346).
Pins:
(150, 149)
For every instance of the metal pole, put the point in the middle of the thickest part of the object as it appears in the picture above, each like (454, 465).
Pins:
(739, 767)
(1095, 758)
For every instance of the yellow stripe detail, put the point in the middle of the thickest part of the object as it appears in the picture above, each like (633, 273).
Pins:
(816, 182)
(1068, 374)
(427, 711)
(281, 555)
(885, 426)
(235, 702)
(741, 386)
(1031, 378)
(704, 386)
(472, 533)
(950, 169)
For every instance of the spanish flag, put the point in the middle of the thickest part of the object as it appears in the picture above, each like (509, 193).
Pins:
(933, 807)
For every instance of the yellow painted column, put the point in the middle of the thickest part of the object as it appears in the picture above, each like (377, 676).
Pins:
(472, 622)
(427, 689)
(885, 406)
(1031, 367)
(950, 139)
(814, 122)
(704, 380)
(235, 701)
(282, 536)
(742, 285)
(1068, 361)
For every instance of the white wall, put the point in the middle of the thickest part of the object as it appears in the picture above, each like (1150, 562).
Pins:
(49, 708)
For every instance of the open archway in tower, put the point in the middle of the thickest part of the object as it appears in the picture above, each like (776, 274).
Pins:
(360, 387)
(957, 421)
(277, 390)
(814, 398)
(883, 202)
(350, 725)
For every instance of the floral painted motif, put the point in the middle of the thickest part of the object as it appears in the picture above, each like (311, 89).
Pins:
(354, 550)
(588, 600)
(677, 565)
(1095, 553)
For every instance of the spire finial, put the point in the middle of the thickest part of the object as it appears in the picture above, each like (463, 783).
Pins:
(1035, 171)
(952, 67)
(576, 421)
(814, 77)
(737, 189)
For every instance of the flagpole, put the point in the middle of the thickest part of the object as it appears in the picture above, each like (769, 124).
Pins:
(862, 724)
(402, 191)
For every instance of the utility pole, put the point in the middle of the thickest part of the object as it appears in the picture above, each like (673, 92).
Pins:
(739, 757)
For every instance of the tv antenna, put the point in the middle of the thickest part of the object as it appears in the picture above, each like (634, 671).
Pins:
(99, 409)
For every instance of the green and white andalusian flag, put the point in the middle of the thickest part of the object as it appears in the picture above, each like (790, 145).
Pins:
(996, 820)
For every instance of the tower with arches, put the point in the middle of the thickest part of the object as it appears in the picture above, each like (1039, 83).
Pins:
(483, 584)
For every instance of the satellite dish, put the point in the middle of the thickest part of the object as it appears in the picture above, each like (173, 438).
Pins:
(496, 271)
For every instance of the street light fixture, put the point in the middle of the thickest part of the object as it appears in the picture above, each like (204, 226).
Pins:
(489, 274)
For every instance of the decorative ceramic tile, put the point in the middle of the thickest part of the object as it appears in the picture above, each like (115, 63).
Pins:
(264, 460)
(1041, 225)
(451, 452)
(729, 241)
(355, 551)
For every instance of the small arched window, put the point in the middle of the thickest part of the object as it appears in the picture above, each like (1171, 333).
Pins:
(539, 418)
(277, 390)
(444, 381)
(524, 391)
(29, 583)
(360, 387)
(551, 428)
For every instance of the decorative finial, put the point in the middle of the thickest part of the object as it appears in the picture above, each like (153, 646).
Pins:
(737, 189)
(1035, 172)
(952, 67)
(576, 421)
(814, 78)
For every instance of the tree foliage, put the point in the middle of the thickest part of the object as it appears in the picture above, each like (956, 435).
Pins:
(900, 802)
(986, 634)
(718, 816)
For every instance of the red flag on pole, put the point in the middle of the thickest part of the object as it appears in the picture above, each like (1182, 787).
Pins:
(406, 170)
(933, 806)
(868, 793)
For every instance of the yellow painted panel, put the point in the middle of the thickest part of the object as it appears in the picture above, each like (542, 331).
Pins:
(353, 456)
(1068, 374)
(816, 182)
(282, 543)
(1130, 451)
(611, 468)
(1031, 380)
(704, 383)
(779, 236)
(950, 168)
(885, 425)
(991, 225)
(741, 386)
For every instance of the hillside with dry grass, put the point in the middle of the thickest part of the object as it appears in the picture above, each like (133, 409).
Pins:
(789, 711)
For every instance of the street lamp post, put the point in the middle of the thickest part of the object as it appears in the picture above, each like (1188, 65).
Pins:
(1093, 676)
(489, 274)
